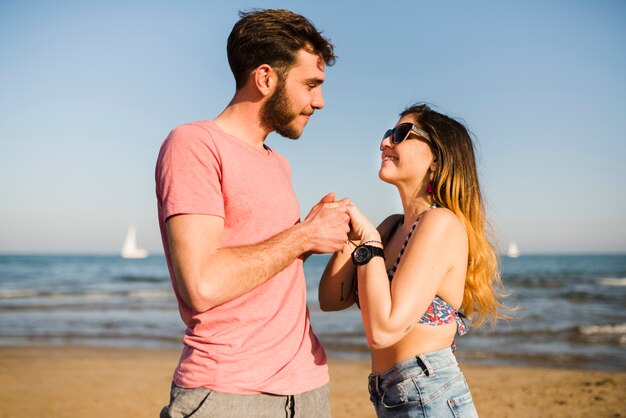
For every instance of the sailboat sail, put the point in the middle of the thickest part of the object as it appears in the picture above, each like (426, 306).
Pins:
(512, 251)
(130, 249)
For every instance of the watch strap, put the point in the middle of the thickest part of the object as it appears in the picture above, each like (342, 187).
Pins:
(373, 251)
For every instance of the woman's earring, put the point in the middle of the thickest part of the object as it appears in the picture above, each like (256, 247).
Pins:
(431, 187)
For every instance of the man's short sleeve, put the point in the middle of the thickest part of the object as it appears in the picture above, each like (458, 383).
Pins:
(188, 174)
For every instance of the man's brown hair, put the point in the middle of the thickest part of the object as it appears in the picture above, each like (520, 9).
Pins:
(273, 37)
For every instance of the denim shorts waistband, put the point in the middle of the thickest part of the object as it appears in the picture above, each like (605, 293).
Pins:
(426, 363)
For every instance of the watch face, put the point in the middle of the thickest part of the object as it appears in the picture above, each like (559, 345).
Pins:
(362, 254)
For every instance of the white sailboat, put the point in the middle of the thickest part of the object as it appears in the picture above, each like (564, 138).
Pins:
(130, 249)
(512, 250)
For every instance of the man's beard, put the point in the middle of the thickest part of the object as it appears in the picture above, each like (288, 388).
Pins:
(277, 114)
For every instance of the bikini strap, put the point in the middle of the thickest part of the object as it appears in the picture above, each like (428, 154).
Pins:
(392, 272)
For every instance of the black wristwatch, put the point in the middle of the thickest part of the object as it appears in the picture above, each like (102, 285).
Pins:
(364, 253)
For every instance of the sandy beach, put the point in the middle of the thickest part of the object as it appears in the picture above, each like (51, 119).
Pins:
(126, 382)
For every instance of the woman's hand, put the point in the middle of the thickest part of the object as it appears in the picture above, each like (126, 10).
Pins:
(360, 227)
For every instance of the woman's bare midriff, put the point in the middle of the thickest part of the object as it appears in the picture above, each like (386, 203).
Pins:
(422, 339)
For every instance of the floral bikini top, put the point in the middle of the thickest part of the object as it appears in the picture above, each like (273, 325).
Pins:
(439, 312)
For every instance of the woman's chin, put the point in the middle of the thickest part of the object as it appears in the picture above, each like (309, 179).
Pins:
(385, 176)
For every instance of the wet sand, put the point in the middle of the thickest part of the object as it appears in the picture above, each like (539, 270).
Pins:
(127, 382)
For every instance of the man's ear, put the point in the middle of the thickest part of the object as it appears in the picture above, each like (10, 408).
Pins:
(265, 79)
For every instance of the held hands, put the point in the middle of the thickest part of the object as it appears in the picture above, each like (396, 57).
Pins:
(332, 222)
(361, 227)
(328, 224)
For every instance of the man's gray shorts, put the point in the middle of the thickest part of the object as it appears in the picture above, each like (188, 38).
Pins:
(202, 402)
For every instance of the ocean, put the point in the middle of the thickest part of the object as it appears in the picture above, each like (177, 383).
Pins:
(572, 309)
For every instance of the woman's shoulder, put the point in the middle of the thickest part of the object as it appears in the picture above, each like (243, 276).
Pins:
(442, 231)
(442, 220)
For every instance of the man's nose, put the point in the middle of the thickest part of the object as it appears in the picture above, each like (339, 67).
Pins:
(317, 101)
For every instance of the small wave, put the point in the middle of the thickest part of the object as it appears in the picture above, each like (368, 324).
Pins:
(603, 334)
(96, 295)
(102, 338)
(609, 281)
(151, 293)
(585, 296)
(87, 294)
(142, 279)
(26, 293)
(534, 282)
(582, 334)
(603, 329)
(37, 293)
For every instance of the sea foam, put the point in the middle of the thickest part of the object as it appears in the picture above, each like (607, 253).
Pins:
(612, 282)
(603, 329)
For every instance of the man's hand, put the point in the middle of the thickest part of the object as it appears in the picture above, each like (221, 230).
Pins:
(328, 224)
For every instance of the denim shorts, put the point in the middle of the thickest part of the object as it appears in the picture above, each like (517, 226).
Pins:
(205, 403)
(429, 385)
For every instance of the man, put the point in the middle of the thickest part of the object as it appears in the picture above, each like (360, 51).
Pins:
(232, 236)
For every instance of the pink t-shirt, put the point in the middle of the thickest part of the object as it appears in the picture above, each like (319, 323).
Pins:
(262, 341)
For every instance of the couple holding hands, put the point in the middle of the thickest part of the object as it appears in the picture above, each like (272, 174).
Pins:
(235, 247)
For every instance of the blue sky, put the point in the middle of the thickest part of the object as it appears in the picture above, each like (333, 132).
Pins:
(89, 90)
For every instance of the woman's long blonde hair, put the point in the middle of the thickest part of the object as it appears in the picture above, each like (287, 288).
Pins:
(456, 187)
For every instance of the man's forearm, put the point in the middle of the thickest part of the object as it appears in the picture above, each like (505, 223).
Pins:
(209, 275)
(226, 273)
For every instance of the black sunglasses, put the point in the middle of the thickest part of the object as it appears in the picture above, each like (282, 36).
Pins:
(402, 131)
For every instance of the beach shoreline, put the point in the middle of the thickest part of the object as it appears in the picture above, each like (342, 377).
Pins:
(79, 381)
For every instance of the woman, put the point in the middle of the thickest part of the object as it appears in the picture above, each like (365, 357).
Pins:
(414, 274)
